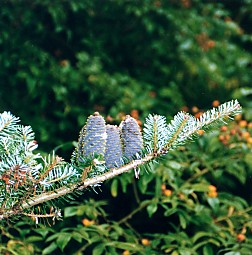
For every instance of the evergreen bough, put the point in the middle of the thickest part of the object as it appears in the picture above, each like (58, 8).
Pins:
(31, 184)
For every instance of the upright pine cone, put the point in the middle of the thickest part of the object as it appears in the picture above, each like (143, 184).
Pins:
(93, 135)
(113, 153)
(131, 137)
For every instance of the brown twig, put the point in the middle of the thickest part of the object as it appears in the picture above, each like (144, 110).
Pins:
(130, 215)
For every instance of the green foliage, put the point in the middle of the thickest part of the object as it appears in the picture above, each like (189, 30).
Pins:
(62, 60)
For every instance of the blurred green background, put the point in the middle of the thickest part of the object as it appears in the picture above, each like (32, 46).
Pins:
(62, 60)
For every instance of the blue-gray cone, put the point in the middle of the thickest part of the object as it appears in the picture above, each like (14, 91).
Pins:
(131, 137)
(93, 136)
(113, 153)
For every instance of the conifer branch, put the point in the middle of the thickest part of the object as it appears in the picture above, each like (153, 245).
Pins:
(27, 179)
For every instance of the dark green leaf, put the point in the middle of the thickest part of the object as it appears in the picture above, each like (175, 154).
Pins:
(98, 250)
(49, 249)
(152, 208)
(207, 250)
(63, 239)
(114, 188)
(77, 236)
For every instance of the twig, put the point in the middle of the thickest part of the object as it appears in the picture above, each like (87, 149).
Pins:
(135, 192)
(130, 215)
(198, 174)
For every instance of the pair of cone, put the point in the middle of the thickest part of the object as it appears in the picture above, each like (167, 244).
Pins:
(112, 142)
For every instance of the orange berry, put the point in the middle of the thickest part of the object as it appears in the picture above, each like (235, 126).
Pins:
(195, 109)
(238, 117)
(245, 135)
(212, 188)
(126, 252)
(86, 222)
(201, 132)
(134, 114)
(163, 187)
(167, 192)
(212, 194)
(211, 44)
(215, 103)
(221, 138)
(233, 131)
(241, 237)
(250, 125)
(243, 123)
(223, 128)
(198, 114)
(227, 137)
(145, 242)
(249, 140)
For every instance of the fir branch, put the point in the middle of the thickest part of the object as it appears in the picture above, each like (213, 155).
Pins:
(177, 126)
(218, 116)
(22, 173)
(50, 166)
(185, 127)
(7, 122)
(155, 133)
